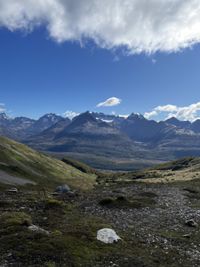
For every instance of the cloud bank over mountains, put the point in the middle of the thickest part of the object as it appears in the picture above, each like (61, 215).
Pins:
(138, 25)
(190, 113)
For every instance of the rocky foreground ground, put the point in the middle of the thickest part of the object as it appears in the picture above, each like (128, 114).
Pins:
(159, 225)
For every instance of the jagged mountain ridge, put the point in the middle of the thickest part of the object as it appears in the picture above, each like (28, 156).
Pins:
(20, 128)
(108, 136)
(85, 134)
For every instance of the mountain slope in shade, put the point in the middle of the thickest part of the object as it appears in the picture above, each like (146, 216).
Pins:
(196, 126)
(44, 123)
(86, 134)
(86, 124)
(143, 130)
(20, 128)
(4, 119)
(5, 132)
(94, 138)
(99, 137)
(16, 127)
(181, 124)
(50, 133)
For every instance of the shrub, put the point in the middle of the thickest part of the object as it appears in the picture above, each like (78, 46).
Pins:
(53, 203)
(106, 201)
(122, 202)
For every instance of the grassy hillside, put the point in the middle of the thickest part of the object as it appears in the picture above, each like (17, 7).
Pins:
(182, 170)
(19, 161)
(180, 164)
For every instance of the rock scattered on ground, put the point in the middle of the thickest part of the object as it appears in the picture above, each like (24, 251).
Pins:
(37, 229)
(61, 189)
(191, 223)
(13, 190)
(107, 236)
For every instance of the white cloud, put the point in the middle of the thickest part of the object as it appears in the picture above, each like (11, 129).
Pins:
(190, 112)
(70, 114)
(110, 102)
(149, 115)
(166, 108)
(138, 25)
(2, 108)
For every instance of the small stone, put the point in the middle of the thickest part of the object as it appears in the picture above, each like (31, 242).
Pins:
(12, 190)
(187, 236)
(37, 229)
(191, 223)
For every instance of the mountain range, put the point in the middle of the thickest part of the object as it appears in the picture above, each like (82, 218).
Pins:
(107, 141)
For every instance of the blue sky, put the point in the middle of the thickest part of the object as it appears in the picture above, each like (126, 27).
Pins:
(38, 75)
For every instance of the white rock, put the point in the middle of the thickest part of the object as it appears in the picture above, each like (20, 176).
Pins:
(12, 190)
(107, 236)
(37, 229)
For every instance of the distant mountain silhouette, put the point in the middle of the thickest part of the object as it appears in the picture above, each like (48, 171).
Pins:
(108, 136)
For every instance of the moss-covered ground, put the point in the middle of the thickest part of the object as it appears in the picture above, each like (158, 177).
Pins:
(152, 234)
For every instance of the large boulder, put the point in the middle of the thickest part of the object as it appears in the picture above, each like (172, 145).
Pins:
(107, 236)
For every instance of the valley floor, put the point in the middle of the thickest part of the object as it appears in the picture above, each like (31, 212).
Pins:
(150, 219)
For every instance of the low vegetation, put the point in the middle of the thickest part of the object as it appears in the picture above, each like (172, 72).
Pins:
(79, 166)
(122, 202)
